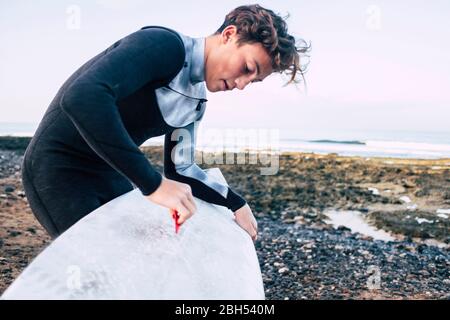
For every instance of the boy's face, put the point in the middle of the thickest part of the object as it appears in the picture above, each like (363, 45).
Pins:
(229, 66)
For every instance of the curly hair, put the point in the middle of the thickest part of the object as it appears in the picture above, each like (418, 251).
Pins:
(256, 24)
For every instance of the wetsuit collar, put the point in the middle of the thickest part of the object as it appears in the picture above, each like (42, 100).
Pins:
(198, 60)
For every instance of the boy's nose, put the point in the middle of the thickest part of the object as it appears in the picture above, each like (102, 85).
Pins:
(241, 83)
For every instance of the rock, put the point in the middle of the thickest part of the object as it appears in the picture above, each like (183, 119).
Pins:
(421, 248)
(283, 270)
(408, 184)
(308, 245)
(421, 193)
(299, 219)
(405, 199)
(342, 228)
(278, 264)
(440, 259)
(14, 233)
(311, 214)
(365, 237)
(9, 189)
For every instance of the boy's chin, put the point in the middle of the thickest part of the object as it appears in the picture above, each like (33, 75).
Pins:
(212, 88)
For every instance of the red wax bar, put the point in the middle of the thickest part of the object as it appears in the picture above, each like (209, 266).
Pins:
(175, 217)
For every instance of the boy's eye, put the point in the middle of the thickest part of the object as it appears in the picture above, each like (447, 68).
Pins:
(247, 69)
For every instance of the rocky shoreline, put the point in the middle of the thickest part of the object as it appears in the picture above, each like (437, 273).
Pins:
(301, 255)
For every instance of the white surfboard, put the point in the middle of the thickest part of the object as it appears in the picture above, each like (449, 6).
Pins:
(128, 249)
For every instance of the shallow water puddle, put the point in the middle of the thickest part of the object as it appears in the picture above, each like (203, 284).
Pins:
(354, 221)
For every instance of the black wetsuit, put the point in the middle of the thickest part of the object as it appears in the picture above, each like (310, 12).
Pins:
(85, 151)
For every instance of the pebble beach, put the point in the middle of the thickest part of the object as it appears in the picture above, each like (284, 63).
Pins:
(303, 250)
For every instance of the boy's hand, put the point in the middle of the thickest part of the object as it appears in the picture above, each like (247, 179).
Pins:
(246, 220)
(175, 195)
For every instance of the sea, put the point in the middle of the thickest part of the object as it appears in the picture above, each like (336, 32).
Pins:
(370, 143)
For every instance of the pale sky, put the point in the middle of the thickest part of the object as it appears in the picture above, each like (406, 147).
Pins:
(375, 65)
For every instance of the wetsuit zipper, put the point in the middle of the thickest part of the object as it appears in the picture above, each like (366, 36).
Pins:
(201, 100)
